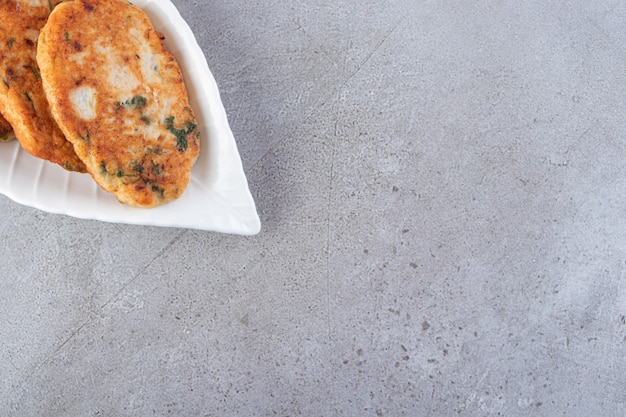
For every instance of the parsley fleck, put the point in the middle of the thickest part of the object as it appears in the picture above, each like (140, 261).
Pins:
(87, 137)
(158, 189)
(29, 98)
(136, 102)
(35, 71)
(156, 168)
(180, 134)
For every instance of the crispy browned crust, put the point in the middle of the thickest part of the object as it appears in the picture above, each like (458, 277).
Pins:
(22, 99)
(119, 97)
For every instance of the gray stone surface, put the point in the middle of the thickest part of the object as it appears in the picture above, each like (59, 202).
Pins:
(442, 186)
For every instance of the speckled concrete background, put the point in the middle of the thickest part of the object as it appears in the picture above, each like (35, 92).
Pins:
(442, 186)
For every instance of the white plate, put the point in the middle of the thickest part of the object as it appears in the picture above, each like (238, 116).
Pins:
(218, 197)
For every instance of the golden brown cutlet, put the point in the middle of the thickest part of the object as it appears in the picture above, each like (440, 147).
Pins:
(118, 95)
(22, 99)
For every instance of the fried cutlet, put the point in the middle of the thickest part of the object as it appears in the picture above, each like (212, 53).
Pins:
(118, 95)
(22, 99)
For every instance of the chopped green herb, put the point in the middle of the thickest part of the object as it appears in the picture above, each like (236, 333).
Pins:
(29, 98)
(120, 173)
(181, 142)
(156, 150)
(67, 36)
(156, 168)
(35, 71)
(138, 168)
(11, 42)
(103, 168)
(136, 102)
(5, 82)
(68, 166)
(4, 137)
(146, 119)
(158, 189)
(86, 137)
(180, 134)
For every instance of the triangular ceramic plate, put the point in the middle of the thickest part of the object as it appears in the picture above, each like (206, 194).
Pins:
(218, 197)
